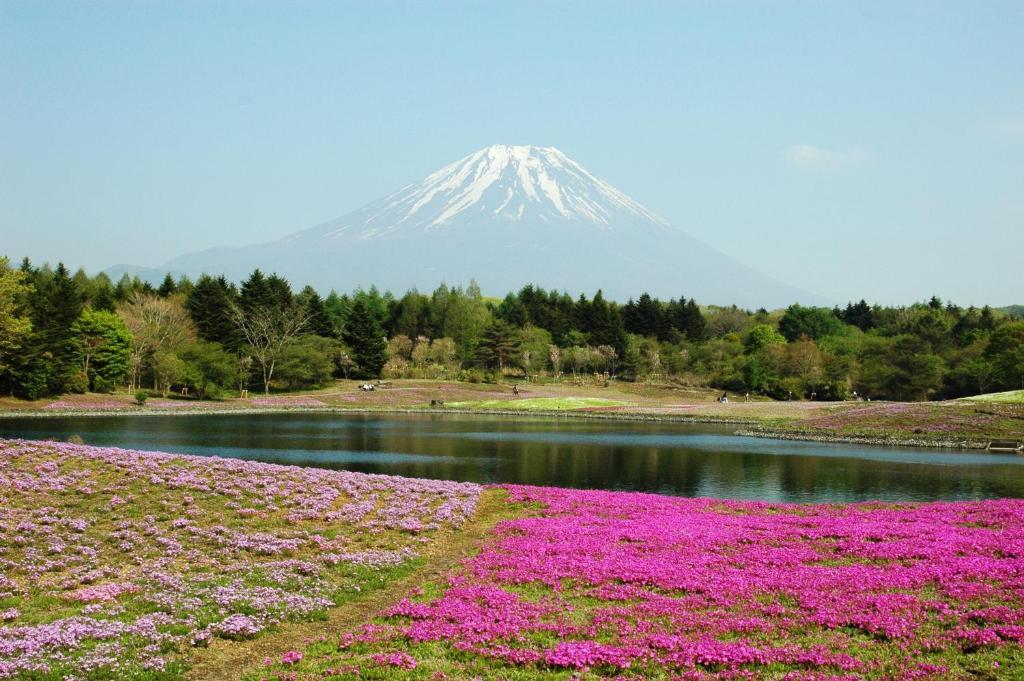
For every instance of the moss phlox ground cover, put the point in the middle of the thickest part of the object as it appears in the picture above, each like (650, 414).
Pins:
(115, 562)
(643, 585)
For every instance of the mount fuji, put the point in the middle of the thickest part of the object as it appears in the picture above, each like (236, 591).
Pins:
(505, 216)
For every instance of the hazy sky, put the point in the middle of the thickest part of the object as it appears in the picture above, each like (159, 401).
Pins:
(853, 149)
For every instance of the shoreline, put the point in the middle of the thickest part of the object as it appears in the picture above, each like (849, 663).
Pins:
(752, 431)
(617, 416)
(966, 445)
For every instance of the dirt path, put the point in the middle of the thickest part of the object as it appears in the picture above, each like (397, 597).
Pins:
(224, 660)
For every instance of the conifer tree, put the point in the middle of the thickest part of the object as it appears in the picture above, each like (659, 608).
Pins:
(167, 287)
(498, 345)
(365, 337)
(319, 321)
(210, 306)
(65, 304)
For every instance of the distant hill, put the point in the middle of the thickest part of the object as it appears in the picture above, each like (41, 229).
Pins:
(503, 215)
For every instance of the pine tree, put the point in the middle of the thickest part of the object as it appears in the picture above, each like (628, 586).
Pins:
(255, 292)
(606, 326)
(318, 321)
(167, 287)
(63, 304)
(498, 345)
(210, 304)
(123, 289)
(694, 324)
(365, 337)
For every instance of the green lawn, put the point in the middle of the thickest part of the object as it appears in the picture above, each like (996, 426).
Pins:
(541, 403)
(1010, 397)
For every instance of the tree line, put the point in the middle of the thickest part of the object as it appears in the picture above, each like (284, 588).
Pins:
(62, 332)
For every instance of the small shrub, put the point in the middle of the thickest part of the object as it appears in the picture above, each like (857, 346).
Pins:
(78, 382)
(102, 385)
(141, 397)
(76, 439)
(472, 376)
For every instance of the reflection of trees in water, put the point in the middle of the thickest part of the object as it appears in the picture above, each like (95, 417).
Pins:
(472, 448)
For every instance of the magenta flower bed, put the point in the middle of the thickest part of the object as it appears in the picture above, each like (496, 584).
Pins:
(622, 582)
(87, 404)
(176, 404)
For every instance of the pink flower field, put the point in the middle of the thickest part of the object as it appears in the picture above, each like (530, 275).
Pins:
(124, 564)
(604, 584)
(115, 563)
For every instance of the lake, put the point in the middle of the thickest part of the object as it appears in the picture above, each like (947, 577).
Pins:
(667, 458)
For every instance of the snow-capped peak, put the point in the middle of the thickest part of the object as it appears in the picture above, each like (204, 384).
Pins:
(500, 183)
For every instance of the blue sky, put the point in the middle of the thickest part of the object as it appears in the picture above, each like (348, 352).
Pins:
(853, 149)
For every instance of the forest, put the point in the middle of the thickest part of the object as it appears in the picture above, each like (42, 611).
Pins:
(210, 338)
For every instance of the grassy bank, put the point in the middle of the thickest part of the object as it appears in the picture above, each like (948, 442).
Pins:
(959, 423)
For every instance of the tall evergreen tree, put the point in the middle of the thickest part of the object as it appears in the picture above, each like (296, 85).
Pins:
(167, 287)
(646, 317)
(606, 327)
(337, 309)
(318, 320)
(498, 345)
(692, 322)
(58, 311)
(363, 334)
(209, 305)
(255, 292)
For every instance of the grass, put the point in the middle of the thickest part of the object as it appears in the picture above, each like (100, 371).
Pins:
(540, 404)
(1008, 397)
(923, 422)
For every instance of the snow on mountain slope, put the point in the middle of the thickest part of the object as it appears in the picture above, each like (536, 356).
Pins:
(505, 216)
(501, 182)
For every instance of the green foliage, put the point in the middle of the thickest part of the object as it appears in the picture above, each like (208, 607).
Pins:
(762, 336)
(813, 322)
(55, 326)
(471, 376)
(15, 326)
(318, 321)
(365, 337)
(534, 344)
(168, 287)
(308, 362)
(1006, 353)
(209, 305)
(77, 382)
(498, 346)
(461, 316)
(102, 385)
(101, 346)
(207, 368)
(140, 397)
(898, 368)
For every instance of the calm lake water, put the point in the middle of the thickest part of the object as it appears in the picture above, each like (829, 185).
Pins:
(680, 459)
